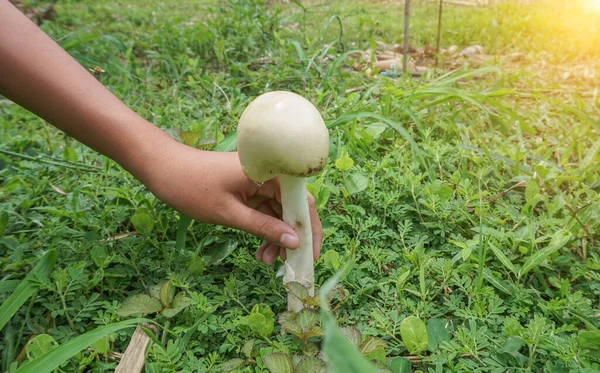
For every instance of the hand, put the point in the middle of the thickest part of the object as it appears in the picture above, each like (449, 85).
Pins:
(212, 188)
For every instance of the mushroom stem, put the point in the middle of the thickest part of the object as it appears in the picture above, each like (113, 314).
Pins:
(299, 265)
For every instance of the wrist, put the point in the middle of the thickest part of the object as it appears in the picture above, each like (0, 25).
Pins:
(148, 148)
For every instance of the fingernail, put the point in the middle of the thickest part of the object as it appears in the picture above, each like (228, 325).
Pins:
(287, 240)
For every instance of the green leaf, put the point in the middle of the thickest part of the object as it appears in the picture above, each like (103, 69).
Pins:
(278, 362)
(466, 253)
(353, 334)
(53, 359)
(142, 222)
(8, 285)
(261, 320)
(69, 154)
(331, 259)
(166, 294)
(311, 365)
(182, 225)
(559, 240)
(503, 258)
(228, 144)
(436, 334)
(344, 163)
(154, 290)
(219, 251)
(99, 256)
(180, 302)
(102, 345)
(496, 282)
(40, 345)
(531, 191)
(341, 354)
(298, 290)
(26, 288)
(512, 345)
(249, 348)
(139, 304)
(356, 183)
(589, 340)
(3, 221)
(374, 348)
(196, 265)
(307, 319)
(400, 365)
(414, 335)
(231, 365)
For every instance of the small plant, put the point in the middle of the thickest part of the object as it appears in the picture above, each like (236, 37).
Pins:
(161, 299)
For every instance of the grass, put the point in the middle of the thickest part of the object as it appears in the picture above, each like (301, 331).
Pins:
(468, 199)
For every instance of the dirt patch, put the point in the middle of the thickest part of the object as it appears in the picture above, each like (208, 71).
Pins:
(36, 14)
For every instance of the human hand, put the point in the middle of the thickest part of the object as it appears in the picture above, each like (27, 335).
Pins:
(212, 188)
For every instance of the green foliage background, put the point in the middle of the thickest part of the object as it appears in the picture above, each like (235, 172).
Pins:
(470, 198)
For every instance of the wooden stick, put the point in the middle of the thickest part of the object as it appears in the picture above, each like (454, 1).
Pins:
(132, 360)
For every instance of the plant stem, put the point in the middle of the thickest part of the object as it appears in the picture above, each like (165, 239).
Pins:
(299, 263)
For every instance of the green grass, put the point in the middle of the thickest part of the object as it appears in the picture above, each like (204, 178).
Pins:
(470, 201)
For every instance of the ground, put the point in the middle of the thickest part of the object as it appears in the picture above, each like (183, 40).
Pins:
(467, 197)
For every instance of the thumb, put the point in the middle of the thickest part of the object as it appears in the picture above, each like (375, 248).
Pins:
(264, 226)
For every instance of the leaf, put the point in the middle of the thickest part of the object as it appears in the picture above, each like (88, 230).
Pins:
(231, 365)
(142, 222)
(190, 138)
(166, 294)
(8, 285)
(353, 334)
(53, 359)
(219, 251)
(69, 154)
(261, 320)
(195, 266)
(331, 259)
(154, 290)
(344, 163)
(400, 365)
(503, 258)
(466, 253)
(278, 362)
(99, 256)
(228, 144)
(102, 345)
(356, 183)
(374, 348)
(307, 319)
(512, 345)
(139, 304)
(180, 302)
(414, 335)
(341, 354)
(26, 288)
(311, 365)
(182, 225)
(40, 345)
(559, 240)
(436, 334)
(497, 283)
(589, 340)
(531, 191)
(298, 290)
(3, 221)
(249, 348)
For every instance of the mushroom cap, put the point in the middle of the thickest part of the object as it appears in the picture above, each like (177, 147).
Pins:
(282, 133)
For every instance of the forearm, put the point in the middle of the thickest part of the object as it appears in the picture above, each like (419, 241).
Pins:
(40, 76)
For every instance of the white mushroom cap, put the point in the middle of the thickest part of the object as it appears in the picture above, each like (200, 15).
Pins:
(282, 133)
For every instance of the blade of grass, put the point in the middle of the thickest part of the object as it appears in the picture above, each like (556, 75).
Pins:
(26, 288)
(54, 358)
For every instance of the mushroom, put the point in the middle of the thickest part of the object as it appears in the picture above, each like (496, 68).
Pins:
(281, 134)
